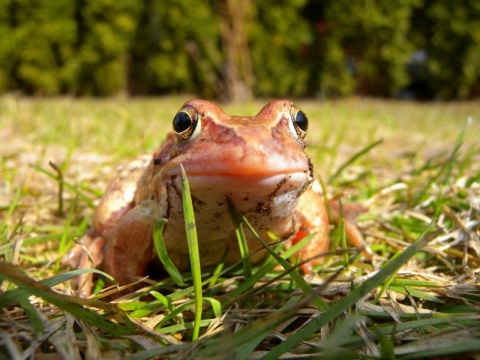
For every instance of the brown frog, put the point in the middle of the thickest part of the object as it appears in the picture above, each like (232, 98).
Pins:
(256, 163)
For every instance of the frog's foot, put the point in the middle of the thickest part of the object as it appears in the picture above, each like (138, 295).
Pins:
(86, 254)
(315, 251)
(311, 218)
(129, 250)
(349, 213)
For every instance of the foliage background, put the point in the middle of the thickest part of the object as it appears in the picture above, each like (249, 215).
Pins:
(407, 48)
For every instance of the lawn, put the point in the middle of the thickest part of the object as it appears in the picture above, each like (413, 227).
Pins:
(416, 166)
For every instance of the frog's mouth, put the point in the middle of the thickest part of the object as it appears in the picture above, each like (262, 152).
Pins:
(242, 166)
(248, 184)
(242, 177)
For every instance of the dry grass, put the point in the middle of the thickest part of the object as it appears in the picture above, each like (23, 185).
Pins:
(422, 182)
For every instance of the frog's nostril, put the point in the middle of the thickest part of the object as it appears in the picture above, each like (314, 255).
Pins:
(226, 135)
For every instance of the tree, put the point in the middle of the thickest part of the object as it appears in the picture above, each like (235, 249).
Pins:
(279, 37)
(232, 50)
(449, 32)
(365, 46)
(106, 28)
(176, 48)
(237, 68)
(38, 40)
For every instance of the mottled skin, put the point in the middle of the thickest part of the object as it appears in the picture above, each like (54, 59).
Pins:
(257, 163)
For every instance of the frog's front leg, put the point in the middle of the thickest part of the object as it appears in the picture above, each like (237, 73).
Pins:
(348, 213)
(311, 217)
(87, 253)
(129, 248)
(121, 204)
(126, 249)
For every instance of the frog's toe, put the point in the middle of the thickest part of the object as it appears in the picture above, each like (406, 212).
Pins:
(86, 254)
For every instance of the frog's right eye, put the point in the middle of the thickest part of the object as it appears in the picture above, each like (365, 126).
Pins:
(185, 126)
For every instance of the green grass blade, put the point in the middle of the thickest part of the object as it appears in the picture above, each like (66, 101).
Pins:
(164, 300)
(333, 345)
(215, 304)
(299, 280)
(11, 209)
(434, 320)
(35, 320)
(242, 240)
(454, 155)
(351, 298)
(386, 284)
(183, 327)
(253, 333)
(415, 293)
(265, 269)
(174, 313)
(216, 274)
(445, 168)
(243, 351)
(343, 241)
(387, 350)
(441, 349)
(163, 254)
(73, 305)
(157, 352)
(14, 296)
(192, 241)
(353, 159)
(65, 239)
(73, 188)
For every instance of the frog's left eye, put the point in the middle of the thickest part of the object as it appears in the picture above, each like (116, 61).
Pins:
(299, 121)
(184, 126)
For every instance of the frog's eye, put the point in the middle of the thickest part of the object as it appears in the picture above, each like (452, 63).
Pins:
(184, 126)
(299, 121)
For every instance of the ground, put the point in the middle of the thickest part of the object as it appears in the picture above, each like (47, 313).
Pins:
(416, 166)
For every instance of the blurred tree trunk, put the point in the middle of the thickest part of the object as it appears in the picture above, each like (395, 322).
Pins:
(237, 68)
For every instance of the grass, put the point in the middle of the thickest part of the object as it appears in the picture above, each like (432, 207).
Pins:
(417, 298)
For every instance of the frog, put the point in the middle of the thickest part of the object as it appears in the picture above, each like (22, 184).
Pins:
(254, 164)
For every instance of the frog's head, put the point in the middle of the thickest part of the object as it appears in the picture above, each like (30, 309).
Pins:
(238, 157)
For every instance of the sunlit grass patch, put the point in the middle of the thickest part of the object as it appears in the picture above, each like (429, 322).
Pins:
(422, 183)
